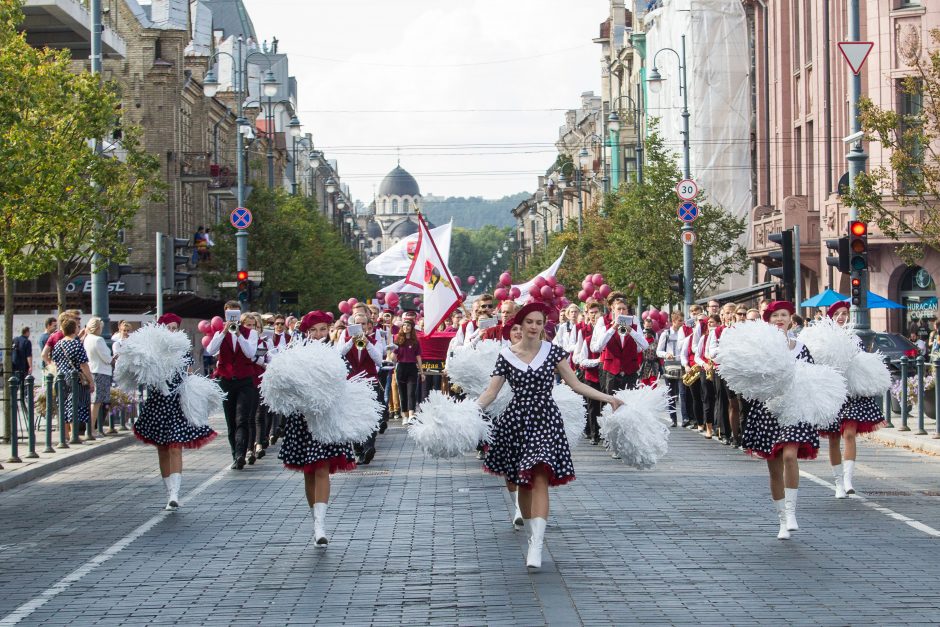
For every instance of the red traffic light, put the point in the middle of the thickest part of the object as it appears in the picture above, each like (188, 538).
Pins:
(242, 275)
(856, 282)
(858, 229)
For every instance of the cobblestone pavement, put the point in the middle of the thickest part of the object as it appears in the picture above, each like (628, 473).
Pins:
(415, 541)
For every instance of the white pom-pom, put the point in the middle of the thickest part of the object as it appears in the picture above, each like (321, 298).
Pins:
(830, 344)
(151, 356)
(815, 395)
(499, 404)
(200, 398)
(868, 375)
(637, 431)
(573, 412)
(470, 368)
(755, 360)
(304, 379)
(444, 428)
(352, 418)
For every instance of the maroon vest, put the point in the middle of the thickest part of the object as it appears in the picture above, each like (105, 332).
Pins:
(360, 361)
(590, 374)
(620, 356)
(233, 364)
(277, 339)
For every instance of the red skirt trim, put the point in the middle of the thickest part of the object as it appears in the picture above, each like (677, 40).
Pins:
(340, 463)
(525, 476)
(805, 451)
(860, 427)
(194, 444)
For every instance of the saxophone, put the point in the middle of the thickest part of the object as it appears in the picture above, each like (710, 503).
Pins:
(690, 377)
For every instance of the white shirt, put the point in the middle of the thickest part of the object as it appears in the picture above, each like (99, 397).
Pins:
(99, 355)
(668, 343)
(602, 335)
(249, 346)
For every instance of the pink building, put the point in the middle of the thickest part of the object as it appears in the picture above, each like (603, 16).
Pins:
(801, 117)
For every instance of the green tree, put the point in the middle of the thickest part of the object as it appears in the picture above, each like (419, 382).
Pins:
(911, 177)
(298, 250)
(470, 251)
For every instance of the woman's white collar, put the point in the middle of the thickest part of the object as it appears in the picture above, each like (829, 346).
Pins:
(536, 363)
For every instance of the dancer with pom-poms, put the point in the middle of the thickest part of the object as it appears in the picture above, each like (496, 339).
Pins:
(528, 444)
(175, 414)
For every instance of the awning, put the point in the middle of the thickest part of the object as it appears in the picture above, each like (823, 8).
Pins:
(742, 292)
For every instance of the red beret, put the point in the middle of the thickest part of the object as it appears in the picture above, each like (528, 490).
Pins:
(834, 307)
(776, 306)
(529, 308)
(315, 317)
(507, 329)
(167, 318)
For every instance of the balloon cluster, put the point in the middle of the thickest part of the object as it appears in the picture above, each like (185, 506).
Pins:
(594, 287)
(506, 291)
(208, 328)
(659, 318)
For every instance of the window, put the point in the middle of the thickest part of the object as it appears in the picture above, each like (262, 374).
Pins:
(796, 48)
(808, 31)
(810, 168)
(910, 106)
(395, 205)
(798, 161)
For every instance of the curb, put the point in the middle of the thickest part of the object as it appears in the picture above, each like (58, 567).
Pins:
(906, 439)
(37, 471)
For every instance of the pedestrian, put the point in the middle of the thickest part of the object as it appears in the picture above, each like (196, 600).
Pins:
(235, 347)
(315, 459)
(70, 357)
(859, 414)
(528, 444)
(54, 338)
(162, 423)
(22, 356)
(407, 355)
(123, 332)
(50, 326)
(99, 362)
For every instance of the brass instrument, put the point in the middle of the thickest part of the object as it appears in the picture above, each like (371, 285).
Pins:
(622, 329)
(692, 376)
(232, 326)
(360, 342)
(710, 374)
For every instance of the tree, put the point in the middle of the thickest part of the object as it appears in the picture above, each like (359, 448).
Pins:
(910, 139)
(470, 251)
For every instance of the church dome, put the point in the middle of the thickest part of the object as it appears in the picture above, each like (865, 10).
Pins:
(404, 229)
(399, 183)
(373, 229)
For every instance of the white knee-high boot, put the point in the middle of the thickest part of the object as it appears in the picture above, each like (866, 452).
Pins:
(840, 485)
(781, 508)
(790, 499)
(319, 517)
(173, 490)
(849, 475)
(537, 527)
(517, 520)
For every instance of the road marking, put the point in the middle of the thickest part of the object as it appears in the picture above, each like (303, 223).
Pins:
(26, 609)
(878, 508)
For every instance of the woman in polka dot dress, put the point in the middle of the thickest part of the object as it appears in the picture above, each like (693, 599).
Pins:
(859, 414)
(317, 460)
(781, 446)
(528, 445)
(162, 424)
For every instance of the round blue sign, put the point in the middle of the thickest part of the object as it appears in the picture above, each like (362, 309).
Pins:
(240, 218)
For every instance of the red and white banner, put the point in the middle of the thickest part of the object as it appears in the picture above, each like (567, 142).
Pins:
(441, 295)
(551, 270)
(398, 258)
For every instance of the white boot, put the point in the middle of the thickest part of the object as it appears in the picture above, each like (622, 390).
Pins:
(783, 534)
(517, 520)
(840, 486)
(790, 500)
(848, 475)
(319, 516)
(173, 491)
(534, 558)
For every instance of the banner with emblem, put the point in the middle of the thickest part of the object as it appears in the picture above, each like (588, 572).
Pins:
(441, 295)
(397, 260)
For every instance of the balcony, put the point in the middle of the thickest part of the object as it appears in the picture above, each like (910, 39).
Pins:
(65, 24)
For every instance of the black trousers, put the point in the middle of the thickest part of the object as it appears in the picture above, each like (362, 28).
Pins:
(239, 405)
(611, 383)
(408, 383)
(369, 442)
(697, 414)
(594, 410)
(722, 419)
(673, 398)
(686, 403)
(709, 398)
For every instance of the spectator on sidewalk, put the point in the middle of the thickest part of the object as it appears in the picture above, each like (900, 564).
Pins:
(69, 357)
(22, 357)
(68, 314)
(51, 325)
(99, 362)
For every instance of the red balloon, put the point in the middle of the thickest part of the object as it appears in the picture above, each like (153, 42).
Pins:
(457, 281)
(344, 318)
(583, 295)
(380, 294)
(392, 300)
(505, 279)
(597, 279)
(597, 295)
(547, 292)
(645, 315)
(204, 326)
(472, 280)
(501, 293)
(514, 292)
(605, 290)
(417, 301)
(344, 307)
(587, 284)
(538, 282)
(551, 281)
(559, 290)
(217, 323)
(205, 340)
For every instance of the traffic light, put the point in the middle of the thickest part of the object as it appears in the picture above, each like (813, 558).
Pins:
(857, 297)
(175, 264)
(244, 286)
(787, 270)
(840, 247)
(858, 261)
(677, 282)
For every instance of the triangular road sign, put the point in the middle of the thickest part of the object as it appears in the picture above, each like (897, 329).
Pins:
(855, 53)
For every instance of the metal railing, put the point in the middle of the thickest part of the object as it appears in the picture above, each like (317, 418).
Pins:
(922, 397)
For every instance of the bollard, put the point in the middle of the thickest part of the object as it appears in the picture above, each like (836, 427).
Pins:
(89, 431)
(14, 437)
(111, 429)
(60, 395)
(887, 400)
(904, 408)
(31, 416)
(936, 397)
(920, 396)
(73, 387)
(49, 396)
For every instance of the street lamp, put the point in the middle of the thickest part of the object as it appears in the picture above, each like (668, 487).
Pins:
(614, 121)
(655, 81)
(296, 141)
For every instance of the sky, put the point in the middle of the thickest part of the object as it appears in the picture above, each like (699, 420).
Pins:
(469, 94)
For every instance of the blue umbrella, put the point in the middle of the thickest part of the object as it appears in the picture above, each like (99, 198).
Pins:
(880, 302)
(824, 299)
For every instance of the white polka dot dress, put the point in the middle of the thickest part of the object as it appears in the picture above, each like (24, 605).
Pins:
(299, 451)
(764, 437)
(862, 411)
(530, 432)
(69, 355)
(161, 421)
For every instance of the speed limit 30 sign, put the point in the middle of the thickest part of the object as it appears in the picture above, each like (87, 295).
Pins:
(686, 189)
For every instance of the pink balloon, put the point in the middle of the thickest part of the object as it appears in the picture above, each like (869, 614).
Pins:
(553, 315)
(587, 284)
(204, 326)
(514, 292)
(547, 292)
(645, 315)
(205, 341)
(392, 300)
(380, 294)
(505, 279)
(344, 317)
(217, 323)
(538, 282)
(417, 301)
(597, 295)
(457, 281)
(551, 281)
(583, 295)
(559, 290)
(604, 290)
(597, 279)
(352, 302)
(343, 307)
(536, 295)
(472, 280)
(565, 302)
(501, 293)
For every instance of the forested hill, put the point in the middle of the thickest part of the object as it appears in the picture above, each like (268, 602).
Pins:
(472, 213)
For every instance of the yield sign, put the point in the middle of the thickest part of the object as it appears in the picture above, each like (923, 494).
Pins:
(855, 53)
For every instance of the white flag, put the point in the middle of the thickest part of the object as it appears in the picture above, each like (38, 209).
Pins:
(549, 271)
(398, 259)
(441, 295)
(400, 287)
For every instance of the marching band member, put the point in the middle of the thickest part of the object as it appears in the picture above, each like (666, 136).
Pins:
(507, 310)
(589, 362)
(253, 320)
(278, 342)
(235, 347)
(709, 392)
(483, 308)
(407, 355)
(667, 349)
(858, 415)
(300, 452)
(364, 354)
(619, 346)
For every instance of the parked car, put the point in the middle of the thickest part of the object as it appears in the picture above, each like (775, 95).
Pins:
(894, 346)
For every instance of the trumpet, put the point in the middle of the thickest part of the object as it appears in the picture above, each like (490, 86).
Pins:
(360, 341)
(622, 329)
(690, 377)
(232, 326)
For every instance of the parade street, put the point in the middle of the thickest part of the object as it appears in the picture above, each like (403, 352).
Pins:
(415, 541)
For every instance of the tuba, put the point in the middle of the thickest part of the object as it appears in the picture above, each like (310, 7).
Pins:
(692, 375)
